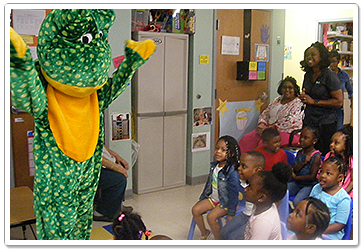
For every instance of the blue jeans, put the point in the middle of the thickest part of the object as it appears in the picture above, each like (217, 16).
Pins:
(300, 191)
(234, 229)
(112, 185)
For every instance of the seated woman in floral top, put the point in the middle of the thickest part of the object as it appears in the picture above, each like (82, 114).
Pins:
(285, 113)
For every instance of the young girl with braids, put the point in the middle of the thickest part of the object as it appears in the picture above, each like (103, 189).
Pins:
(129, 226)
(220, 194)
(264, 190)
(306, 166)
(342, 144)
(309, 220)
(329, 191)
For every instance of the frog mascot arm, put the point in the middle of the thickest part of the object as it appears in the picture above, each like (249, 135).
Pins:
(66, 91)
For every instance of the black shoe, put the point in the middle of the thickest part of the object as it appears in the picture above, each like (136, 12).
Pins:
(102, 218)
(127, 209)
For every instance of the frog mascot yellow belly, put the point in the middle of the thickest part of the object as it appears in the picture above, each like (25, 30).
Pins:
(66, 91)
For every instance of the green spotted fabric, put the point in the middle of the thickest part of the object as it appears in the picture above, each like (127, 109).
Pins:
(73, 50)
(73, 47)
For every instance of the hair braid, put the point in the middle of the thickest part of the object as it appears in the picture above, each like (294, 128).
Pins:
(233, 150)
(338, 160)
(318, 214)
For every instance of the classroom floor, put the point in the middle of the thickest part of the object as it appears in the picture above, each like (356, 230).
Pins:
(165, 212)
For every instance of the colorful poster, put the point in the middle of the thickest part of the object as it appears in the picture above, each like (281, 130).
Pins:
(202, 117)
(262, 52)
(240, 119)
(288, 47)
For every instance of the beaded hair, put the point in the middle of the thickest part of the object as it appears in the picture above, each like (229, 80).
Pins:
(317, 213)
(338, 160)
(233, 150)
(348, 133)
(129, 226)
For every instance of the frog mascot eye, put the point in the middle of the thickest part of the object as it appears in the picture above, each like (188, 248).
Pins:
(86, 38)
(67, 90)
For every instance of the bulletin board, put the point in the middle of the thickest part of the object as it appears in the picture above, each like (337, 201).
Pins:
(232, 23)
(22, 124)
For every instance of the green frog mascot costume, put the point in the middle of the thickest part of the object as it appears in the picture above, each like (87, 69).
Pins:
(66, 91)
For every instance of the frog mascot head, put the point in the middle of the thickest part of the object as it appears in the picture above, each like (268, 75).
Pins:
(66, 91)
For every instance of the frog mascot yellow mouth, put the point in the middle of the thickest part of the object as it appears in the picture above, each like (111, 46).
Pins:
(66, 91)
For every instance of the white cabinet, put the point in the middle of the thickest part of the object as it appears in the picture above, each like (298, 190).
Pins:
(160, 105)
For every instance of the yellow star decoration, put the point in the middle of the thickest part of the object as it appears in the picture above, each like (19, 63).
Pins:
(258, 104)
(222, 107)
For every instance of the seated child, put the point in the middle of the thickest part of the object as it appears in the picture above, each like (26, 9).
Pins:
(306, 165)
(329, 191)
(129, 226)
(220, 194)
(250, 163)
(271, 148)
(265, 188)
(342, 144)
(309, 220)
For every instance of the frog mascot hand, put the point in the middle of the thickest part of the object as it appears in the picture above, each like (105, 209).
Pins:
(66, 91)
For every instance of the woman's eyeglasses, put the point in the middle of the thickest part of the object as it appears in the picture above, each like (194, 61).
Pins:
(287, 87)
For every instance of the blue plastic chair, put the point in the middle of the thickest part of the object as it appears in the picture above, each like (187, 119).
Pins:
(240, 209)
(291, 156)
(349, 223)
(283, 211)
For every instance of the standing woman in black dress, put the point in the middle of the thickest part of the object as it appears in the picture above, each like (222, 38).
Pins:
(322, 94)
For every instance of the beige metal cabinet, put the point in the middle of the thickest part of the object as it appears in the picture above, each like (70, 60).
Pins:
(160, 104)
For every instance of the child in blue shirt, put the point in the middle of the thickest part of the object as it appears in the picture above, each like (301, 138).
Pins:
(329, 191)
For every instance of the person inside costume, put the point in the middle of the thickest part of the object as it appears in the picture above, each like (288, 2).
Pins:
(110, 194)
(66, 91)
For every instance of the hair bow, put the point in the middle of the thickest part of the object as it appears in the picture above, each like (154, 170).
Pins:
(121, 217)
